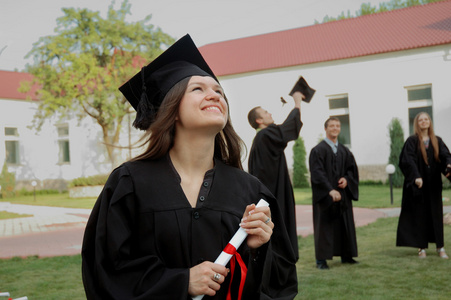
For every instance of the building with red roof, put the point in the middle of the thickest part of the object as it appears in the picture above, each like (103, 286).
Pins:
(398, 30)
(10, 83)
(366, 71)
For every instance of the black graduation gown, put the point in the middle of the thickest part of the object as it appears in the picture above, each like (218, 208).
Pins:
(421, 218)
(333, 223)
(143, 235)
(268, 163)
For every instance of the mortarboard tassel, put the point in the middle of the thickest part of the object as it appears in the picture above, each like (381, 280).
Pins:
(145, 111)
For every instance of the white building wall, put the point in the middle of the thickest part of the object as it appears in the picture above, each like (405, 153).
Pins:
(39, 150)
(376, 87)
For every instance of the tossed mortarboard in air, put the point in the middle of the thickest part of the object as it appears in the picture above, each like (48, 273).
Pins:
(146, 90)
(302, 86)
(283, 101)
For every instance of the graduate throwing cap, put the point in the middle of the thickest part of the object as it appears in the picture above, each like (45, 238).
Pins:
(267, 157)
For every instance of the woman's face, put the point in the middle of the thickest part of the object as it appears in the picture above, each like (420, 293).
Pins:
(203, 106)
(424, 122)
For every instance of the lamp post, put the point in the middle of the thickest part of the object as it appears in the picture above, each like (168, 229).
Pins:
(390, 169)
(33, 183)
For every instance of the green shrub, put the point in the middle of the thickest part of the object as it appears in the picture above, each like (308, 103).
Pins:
(89, 181)
(299, 165)
(371, 182)
(7, 182)
(25, 192)
(396, 143)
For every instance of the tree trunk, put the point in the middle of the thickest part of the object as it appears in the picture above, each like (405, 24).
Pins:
(111, 141)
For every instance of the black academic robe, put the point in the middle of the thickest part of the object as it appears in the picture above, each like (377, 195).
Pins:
(143, 235)
(268, 163)
(333, 222)
(421, 218)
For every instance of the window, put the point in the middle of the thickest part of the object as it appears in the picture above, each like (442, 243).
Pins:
(338, 103)
(63, 144)
(339, 108)
(11, 131)
(12, 145)
(419, 100)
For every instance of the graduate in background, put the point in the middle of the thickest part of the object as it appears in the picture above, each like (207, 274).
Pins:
(423, 159)
(164, 217)
(335, 183)
(267, 157)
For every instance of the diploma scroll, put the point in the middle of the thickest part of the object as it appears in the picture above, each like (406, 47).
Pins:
(233, 245)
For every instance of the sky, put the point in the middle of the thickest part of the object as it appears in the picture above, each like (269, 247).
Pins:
(23, 22)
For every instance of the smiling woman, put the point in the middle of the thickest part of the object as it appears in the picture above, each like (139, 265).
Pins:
(202, 107)
(163, 217)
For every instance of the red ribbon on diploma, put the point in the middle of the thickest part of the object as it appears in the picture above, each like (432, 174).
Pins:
(230, 249)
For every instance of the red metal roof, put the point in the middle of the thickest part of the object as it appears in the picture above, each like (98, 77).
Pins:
(10, 83)
(408, 28)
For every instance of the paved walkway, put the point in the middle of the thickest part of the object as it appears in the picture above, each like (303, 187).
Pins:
(53, 231)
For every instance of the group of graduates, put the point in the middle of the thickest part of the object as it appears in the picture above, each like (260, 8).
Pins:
(335, 183)
(165, 216)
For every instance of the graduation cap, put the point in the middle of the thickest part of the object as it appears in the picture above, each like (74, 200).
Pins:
(302, 86)
(146, 90)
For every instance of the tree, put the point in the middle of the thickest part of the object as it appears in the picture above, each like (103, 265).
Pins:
(80, 68)
(396, 143)
(299, 164)
(367, 9)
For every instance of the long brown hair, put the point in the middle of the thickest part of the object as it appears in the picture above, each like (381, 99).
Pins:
(160, 135)
(431, 134)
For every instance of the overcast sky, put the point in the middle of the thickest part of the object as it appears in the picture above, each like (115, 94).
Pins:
(23, 22)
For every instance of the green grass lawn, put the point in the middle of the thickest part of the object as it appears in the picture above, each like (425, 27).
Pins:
(8, 215)
(370, 196)
(52, 278)
(58, 200)
(384, 272)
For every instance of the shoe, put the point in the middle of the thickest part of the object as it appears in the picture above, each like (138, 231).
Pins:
(441, 252)
(322, 266)
(349, 261)
(421, 253)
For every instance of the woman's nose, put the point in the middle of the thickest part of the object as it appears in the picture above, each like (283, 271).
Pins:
(212, 95)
